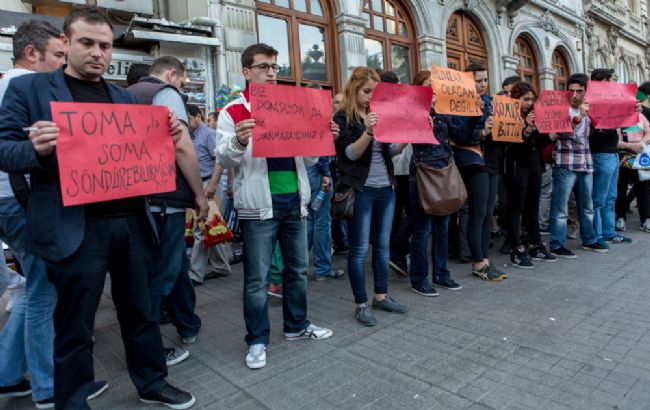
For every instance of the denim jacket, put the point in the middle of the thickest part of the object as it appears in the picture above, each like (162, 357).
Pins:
(434, 155)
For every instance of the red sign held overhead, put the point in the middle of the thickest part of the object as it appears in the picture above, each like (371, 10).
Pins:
(291, 121)
(403, 112)
(113, 151)
(552, 111)
(611, 105)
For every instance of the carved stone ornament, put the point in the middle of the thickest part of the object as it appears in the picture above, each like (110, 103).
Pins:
(546, 22)
(470, 4)
(612, 36)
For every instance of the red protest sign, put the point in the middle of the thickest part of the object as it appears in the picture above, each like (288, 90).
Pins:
(552, 111)
(113, 151)
(291, 121)
(507, 119)
(611, 105)
(410, 121)
(455, 92)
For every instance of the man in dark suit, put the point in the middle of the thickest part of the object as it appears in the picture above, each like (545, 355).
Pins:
(81, 243)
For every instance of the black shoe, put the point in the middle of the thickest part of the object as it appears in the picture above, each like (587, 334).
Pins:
(21, 389)
(399, 266)
(236, 258)
(563, 252)
(596, 247)
(539, 253)
(425, 289)
(95, 391)
(364, 315)
(389, 305)
(448, 284)
(520, 259)
(171, 397)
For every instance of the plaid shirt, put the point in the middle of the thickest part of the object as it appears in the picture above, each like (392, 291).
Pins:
(571, 150)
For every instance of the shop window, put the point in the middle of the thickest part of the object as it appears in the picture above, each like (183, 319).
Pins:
(390, 38)
(527, 67)
(562, 72)
(465, 43)
(303, 33)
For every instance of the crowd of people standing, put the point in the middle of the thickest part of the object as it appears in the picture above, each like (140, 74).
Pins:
(515, 190)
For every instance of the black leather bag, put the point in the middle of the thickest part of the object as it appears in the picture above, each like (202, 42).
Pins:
(342, 202)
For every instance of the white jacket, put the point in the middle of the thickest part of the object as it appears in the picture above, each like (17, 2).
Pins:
(251, 183)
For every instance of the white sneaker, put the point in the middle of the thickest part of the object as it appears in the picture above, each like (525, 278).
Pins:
(620, 224)
(311, 332)
(646, 226)
(256, 356)
(175, 355)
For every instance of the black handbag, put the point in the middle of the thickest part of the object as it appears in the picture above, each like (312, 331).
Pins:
(342, 202)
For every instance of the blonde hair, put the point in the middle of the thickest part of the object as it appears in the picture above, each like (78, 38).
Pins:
(359, 77)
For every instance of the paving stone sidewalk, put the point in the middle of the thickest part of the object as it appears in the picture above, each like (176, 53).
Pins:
(568, 335)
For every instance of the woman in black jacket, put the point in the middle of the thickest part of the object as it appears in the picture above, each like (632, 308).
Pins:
(365, 165)
(523, 180)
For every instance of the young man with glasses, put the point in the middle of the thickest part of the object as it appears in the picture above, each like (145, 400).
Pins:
(271, 197)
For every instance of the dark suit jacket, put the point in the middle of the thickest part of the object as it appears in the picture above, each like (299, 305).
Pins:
(55, 232)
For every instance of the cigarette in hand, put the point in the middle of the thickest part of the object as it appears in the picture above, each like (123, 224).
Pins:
(30, 129)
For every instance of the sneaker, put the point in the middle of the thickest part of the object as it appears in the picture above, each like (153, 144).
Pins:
(539, 253)
(256, 356)
(188, 340)
(311, 332)
(21, 389)
(487, 273)
(174, 355)
(645, 227)
(596, 247)
(448, 284)
(389, 305)
(563, 252)
(425, 290)
(335, 274)
(171, 397)
(620, 225)
(96, 390)
(481, 273)
(617, 239)
(275, 290)
(495, 273)
(573, 232)
(364, 315)
(520, 259)
(399, 267)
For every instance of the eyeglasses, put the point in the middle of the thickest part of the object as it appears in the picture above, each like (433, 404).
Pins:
(265, 67)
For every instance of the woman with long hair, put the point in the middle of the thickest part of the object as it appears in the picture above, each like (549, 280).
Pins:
(523, 180)
(365, 166)
(436, 156)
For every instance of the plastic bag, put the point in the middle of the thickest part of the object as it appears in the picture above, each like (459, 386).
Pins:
(214, 229)
(642, 160)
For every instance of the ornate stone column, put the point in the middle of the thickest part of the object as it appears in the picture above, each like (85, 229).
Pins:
(546, 76)
(352, 49)
(238, 19)
(509, 65)
(432, 51)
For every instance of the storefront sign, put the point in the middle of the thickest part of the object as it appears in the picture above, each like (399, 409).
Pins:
(113, 151)
(291, 121)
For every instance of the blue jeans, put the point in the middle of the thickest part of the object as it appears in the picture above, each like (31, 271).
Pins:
(170, 279)
(424, 225)
(373, 208)
(564, 181)
(27, 340)
(287, 227)
(319, 229)
(604, 194)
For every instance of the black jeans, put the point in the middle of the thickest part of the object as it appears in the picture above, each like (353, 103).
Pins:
(400, 237)
(641, 190)
(481, 196)
(123, 246)
(523, 181)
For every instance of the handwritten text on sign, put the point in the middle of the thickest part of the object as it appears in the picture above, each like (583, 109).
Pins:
(552, 111)
(507, 119)
(403, 112)
(455, 92)
(113, 151)
(611, 105)
(291, 121)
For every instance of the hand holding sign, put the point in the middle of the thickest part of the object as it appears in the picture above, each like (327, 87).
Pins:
(611, 105)
(507, 119)
(289, 121)
(113, 151)
(552, 108)
(403, 113)
(455, 92)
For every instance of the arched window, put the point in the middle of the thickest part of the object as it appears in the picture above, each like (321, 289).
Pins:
(638, 75)
(465, 44)
(390, 38)
(622, 72)
(303, 32)
(527, 67)
(562, 72)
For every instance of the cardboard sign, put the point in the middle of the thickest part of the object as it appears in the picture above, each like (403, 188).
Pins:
(410, 121)
(611, 105)
(455, 92)
(507, 119)
(113, 151)
(552, 112)
(291, 121)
